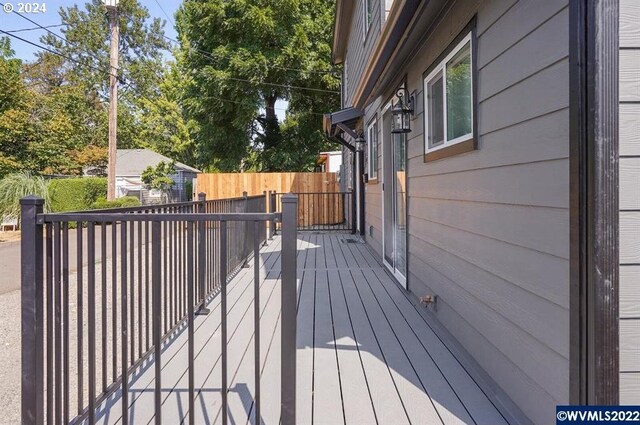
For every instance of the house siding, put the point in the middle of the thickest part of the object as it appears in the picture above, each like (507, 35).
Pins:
(359, 49)
(629, 202)
(489, 229)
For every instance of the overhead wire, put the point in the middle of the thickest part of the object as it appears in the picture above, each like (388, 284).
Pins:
(39, 27)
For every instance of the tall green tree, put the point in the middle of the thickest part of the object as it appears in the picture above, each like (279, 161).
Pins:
(240, 57)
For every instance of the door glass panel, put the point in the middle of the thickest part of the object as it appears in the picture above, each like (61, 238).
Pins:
(387, 179)
(400, 195)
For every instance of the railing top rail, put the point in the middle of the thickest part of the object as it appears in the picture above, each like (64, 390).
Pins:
(313, 193)
(169, 205)
(99, 217)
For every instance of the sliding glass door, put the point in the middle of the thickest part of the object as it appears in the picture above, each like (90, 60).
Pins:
(394, 200)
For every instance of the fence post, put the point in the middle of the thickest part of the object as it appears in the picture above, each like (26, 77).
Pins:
(202, 238)
(288, 320)
(32, 311)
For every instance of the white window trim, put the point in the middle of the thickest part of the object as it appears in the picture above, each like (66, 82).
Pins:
(443, 68)
(365, 18)
(370, 169)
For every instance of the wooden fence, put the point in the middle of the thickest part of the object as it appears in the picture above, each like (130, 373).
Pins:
(313, 210)
(231, 185)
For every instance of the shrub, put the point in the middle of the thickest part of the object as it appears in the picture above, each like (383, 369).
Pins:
(76, 194)
(124, 202)
(18, 185)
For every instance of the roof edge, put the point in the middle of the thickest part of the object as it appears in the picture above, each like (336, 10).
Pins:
(400, 16)
(341, 29)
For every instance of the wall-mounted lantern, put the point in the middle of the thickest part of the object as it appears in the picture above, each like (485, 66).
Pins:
(402, 112)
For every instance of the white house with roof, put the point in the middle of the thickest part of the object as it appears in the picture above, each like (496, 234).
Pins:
(130, 165)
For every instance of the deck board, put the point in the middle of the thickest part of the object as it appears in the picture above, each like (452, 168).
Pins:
(365, 354)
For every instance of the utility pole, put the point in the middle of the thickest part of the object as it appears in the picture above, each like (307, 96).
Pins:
(112, 9)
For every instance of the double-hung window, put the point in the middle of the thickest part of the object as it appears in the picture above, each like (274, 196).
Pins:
(449, 102)
(372, 150)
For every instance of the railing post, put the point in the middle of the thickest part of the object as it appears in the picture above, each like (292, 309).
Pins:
(202, 229)
(272, 208)
(32, 311)
(267, 224)
(288, 318)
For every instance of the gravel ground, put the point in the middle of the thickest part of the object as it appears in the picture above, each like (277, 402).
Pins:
(10, 336)
(10, 355)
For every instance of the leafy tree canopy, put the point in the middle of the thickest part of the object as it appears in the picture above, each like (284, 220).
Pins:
(240, 57)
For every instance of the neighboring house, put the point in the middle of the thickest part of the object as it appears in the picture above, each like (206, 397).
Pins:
(502, 199)
(131, 163)
(330, 162)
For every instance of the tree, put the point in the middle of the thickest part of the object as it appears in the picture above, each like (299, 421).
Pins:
(164, 127)
(86, 44)
(240, 57)
(159, 177)
(53, 114)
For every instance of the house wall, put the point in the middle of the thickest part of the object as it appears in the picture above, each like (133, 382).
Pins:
(359, 49)
(629, 202)
(489, 229)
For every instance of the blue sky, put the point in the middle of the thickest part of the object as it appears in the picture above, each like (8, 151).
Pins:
(12, 22)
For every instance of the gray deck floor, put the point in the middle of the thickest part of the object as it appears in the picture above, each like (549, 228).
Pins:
(366, 354)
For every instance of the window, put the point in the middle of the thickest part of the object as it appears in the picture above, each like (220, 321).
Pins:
(449, 99)
(368, 15)
(345, 80)
(372, 150)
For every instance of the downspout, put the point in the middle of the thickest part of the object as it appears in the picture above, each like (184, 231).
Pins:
(594, 249)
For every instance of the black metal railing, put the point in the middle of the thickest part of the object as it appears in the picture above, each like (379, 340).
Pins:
(321, 210)
(101, 300)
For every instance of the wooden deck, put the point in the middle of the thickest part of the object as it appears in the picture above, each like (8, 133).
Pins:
(366, 354)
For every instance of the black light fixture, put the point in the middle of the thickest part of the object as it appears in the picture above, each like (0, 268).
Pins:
(360, 143)
(402, 112)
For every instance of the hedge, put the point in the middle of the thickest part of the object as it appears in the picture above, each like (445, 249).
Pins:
(125, 201)
(76, 194)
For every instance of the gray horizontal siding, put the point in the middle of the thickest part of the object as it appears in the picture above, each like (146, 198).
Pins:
(630, 202)
(489, 230)
(359, 48)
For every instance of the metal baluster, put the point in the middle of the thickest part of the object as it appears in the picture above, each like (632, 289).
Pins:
(190, 314)
(147, 246)
(57, 247)
(79, 317)
(91, 305)
(223, 313)
(124, 337)
(103, 253)
(65, 320)
(131, 294)
(114, 298)
(50, 285)
(256, 317)
(156, 261)
(140, 298)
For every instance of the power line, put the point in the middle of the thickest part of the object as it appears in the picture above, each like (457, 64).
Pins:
(50, 32)
(36, 45)
(39, 27)
(165, 13)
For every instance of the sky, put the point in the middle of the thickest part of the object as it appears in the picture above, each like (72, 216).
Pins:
(11, 21)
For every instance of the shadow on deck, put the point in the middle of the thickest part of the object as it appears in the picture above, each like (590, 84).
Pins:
(366, 353)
